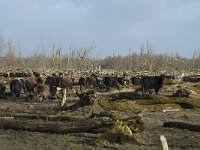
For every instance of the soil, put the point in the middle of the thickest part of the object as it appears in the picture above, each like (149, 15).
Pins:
(148, 139)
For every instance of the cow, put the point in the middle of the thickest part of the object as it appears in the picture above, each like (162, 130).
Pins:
(30, 84)
(16, 87)
(91, 81)
(65, 81)
(42, 92)
(152, 82)
(94, 81)
(52, 82)
(61, 81)
(109, 81)
(136, 81)
(82, 82)
(32, 81)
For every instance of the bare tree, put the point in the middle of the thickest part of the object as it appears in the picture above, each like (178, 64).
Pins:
(2, 44)
(56, 57)
(82, 57)
(10, 55)
(149, 56)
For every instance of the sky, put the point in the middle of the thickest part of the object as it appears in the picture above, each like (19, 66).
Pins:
(112, 26)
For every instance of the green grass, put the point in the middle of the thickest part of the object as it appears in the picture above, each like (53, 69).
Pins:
(157, 104)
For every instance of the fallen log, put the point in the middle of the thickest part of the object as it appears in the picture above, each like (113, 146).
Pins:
(91, 126)
(43, 117)
(182, 125)
(193, 79)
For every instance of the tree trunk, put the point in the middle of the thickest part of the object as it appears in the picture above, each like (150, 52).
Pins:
(182, 125)
(89, 126)
(43, 117)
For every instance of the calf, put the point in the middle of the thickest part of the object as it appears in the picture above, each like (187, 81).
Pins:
(152, 82)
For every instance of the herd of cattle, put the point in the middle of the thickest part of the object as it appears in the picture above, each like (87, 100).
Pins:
(35, 86)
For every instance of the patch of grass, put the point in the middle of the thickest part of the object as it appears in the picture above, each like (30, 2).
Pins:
(125, 105)
(120, 133)
(157, 104)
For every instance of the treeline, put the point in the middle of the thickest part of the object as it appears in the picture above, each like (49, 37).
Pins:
(81, 59)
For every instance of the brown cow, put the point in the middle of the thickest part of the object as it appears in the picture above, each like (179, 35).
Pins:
(42, 92)
(30, 84)
(51, 81)
(65, 81)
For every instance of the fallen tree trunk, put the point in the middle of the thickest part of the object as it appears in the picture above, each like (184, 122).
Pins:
(182, 125)
(91, 126)
(44, 117)
(192, 79)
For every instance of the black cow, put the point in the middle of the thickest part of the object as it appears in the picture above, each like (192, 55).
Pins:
(109, 81)
(53, 84)
(91, 81)
(16, 88)
(152, 82)
(82, 82)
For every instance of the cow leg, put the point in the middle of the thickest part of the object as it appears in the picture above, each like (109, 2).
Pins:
(13, 97)
(18, 95)
(156, 91)
(143, 91)
(107, 88)
(80, 88)
(118, 87)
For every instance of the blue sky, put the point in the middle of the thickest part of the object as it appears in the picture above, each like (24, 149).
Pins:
(111, 25)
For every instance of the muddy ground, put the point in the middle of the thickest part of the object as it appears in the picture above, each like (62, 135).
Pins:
(148, 139)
